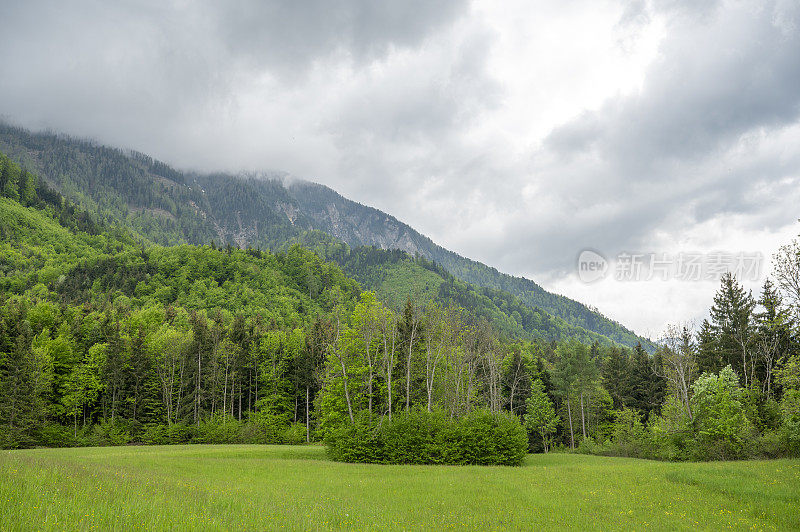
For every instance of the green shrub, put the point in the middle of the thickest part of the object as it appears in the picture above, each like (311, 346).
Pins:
(722, 429)
(485, 438)
(771, 444)
(181, 433)
(413, 438)
(156, 435)
(161, 434)
(629, 437)
(107, 433)
(358, 442)
(790, 409)
(482, 438)
(295, 434)
(219, 429)
(54, 435)
(265, 428)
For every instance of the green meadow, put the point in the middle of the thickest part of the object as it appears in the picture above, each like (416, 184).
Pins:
(250, 487)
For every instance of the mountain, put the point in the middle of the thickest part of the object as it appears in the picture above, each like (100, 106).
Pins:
(359, 225)
(167, 206)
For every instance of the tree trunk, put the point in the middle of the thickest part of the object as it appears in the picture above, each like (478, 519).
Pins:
(408, 366)
(389, 386)
(340, 356)
(225, 392)
(583, 418)
(571, 432)
(197, 392)
(370, 387)
(308, 432)
(347, 391)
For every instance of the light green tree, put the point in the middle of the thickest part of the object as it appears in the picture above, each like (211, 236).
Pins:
(788, 377)
(82, 385)
(169, 348)
(541, 415)
(719, 417)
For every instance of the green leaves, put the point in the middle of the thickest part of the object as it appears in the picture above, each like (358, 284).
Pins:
(719, 417)
(540, 416)
(480, 438)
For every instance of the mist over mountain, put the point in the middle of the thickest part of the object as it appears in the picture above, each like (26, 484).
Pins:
(268, 210)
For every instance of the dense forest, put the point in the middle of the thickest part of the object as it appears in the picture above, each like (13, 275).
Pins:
(168, 207)
(107, 338)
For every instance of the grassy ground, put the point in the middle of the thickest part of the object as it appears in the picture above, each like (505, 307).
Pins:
(249, 487)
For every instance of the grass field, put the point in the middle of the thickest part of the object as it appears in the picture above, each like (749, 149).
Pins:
(248, 487)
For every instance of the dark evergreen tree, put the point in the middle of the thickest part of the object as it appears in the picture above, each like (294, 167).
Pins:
(617, 377)
(773, 342)
(733, 328)
(709, 358)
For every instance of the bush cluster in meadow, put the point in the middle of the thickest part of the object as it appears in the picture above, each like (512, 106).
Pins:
(481, 438)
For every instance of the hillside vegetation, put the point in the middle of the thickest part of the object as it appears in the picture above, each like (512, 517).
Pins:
(107, 339)
(168, 207)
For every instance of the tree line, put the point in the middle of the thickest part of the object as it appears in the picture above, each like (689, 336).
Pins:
(107, 339)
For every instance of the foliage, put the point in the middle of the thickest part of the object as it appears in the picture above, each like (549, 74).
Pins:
(108, 339)
(630, 436)
(722, 428)
(168, 207)
(480, 438)
(788, 377)
(540, 416)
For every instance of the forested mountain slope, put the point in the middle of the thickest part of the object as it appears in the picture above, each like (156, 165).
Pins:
(105, 338)
(394, 276)
(359, 225)
(166, 206)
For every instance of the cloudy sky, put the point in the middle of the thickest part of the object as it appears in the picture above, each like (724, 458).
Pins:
(518, 133)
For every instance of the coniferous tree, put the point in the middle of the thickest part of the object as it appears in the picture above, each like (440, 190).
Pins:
(639, 379)
(708, 353)
(773, 334)
(10, 180)
(17, 375)
(617, 378)
(658, 385)
(27, 188)
(732, 323)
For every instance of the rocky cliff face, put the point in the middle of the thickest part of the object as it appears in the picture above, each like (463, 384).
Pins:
(356, 224)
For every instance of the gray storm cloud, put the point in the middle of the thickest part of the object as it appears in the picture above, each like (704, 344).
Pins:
(401, 105)
(724, 84)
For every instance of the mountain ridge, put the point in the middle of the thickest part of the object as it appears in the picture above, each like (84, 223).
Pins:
(168, 206)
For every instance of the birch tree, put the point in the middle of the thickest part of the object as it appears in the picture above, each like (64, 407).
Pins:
(388, 330)
(679, 362)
